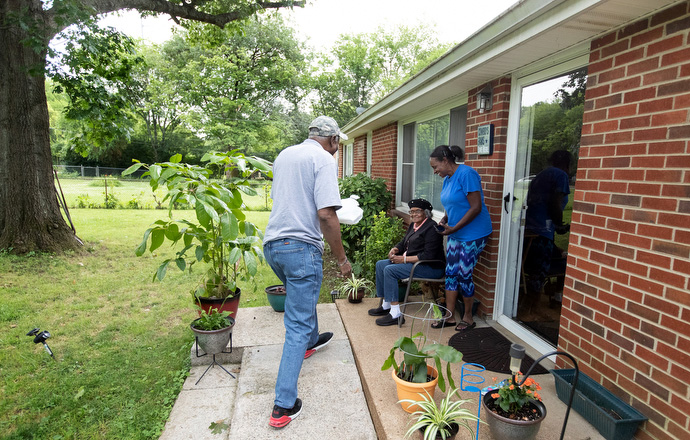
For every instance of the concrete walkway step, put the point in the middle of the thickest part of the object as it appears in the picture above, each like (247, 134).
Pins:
(329, 386)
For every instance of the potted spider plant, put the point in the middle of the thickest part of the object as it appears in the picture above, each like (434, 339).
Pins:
(219, 236)
(355, 289)
(421, 369)
(440, 421)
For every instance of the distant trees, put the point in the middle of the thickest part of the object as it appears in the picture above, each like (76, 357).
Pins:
(365, 67)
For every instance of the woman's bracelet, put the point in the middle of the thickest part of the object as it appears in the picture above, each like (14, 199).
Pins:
(343, 263)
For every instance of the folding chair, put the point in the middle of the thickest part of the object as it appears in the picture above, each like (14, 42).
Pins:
(413, 278)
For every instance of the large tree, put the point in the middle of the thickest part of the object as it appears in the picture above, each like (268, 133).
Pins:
(30, 217)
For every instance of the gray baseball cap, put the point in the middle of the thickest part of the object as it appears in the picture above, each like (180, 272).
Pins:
(325, 126)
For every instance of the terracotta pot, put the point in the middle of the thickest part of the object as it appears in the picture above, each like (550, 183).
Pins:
(213, 341)
(509, 429)
(414, 391)
(276, 297)
(222, 304)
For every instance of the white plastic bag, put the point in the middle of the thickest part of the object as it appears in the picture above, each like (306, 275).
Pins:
(350, 213)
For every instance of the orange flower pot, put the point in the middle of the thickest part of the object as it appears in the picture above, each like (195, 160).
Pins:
(414, 391)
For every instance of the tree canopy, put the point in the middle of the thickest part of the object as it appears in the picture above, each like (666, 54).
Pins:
(30, 218)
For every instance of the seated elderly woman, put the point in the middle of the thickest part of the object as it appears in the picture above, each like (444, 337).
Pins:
(421, 242)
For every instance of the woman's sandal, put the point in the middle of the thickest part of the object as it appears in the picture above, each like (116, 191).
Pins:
(462, 326)
(442, 324)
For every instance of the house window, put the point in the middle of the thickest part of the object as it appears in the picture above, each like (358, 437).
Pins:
(348, 159)
(419, 140)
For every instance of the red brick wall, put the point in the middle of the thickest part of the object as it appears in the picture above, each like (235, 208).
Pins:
(626, 313)
(491, 169)
(359, 164)
(384, 154)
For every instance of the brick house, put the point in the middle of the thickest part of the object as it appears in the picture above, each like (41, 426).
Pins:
(625, 308)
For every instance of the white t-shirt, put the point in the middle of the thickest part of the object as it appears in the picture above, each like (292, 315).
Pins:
(305, 179)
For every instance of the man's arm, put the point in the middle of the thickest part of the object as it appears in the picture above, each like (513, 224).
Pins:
(330, 227)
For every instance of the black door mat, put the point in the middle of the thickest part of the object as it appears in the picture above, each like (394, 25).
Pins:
(487, 347)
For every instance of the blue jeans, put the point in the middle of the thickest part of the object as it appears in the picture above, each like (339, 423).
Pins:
(299, 266)
(388, 275)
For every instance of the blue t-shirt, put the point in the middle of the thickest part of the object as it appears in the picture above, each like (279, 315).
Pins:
(454, 199)
(542, 189)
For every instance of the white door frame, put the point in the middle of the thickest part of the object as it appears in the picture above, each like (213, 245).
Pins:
(507, 261)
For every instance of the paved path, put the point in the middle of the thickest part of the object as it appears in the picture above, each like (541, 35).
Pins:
(333, 385)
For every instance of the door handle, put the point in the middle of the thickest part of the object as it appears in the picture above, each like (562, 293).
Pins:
(506, 200)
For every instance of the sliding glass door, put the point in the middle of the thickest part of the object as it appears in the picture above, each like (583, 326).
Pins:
(545, 128)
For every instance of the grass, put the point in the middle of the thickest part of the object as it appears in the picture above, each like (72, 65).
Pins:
(121, 342)
(89, 191)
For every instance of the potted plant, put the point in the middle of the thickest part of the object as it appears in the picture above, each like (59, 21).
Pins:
(219, 235)
(440, 421)
(212, 330)
(413, 376)
(276, 297)
(514, 412)
(354, 289)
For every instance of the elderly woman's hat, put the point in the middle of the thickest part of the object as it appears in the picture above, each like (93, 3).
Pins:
(420, 203)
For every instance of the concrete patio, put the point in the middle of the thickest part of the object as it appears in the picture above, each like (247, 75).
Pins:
(345, 393)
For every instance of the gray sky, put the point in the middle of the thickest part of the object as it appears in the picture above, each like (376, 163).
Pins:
(322, 21)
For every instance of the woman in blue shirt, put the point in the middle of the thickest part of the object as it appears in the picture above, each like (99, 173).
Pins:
(466, 223)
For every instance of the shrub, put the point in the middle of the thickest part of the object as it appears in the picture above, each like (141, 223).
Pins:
(83, 201)
(111, 202)
(385, 233)
(374, 197)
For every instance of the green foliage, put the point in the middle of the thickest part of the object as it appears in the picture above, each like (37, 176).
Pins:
(416, 351)
(511, 397)
(436, 420)
(96, 74)
(111, 202)
(239, 90)
(350, 286)
(83, 201)
(215, 320)
(366, 67)
(558, 124)
(385, 233)
(221, 236)
(374, 197)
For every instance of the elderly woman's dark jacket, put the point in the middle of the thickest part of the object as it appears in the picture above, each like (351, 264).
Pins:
(425, 243)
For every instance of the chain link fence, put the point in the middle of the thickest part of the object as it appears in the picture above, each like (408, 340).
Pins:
(68, 171)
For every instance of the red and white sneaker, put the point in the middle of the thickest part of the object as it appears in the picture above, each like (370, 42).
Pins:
(280, 417)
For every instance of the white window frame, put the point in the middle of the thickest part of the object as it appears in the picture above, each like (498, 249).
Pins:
(442, 109)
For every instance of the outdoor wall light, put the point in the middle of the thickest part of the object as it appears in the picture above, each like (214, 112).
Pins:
(517, 352)
(485, 100)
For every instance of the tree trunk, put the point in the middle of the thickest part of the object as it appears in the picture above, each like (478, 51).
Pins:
(30, 217)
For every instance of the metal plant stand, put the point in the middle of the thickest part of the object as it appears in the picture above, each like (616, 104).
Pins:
(213, 362)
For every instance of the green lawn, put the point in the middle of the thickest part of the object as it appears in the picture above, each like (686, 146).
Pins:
(89, 191)
(121, 341)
